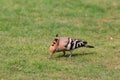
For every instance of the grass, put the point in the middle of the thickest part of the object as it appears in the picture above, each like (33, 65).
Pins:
(27, 28)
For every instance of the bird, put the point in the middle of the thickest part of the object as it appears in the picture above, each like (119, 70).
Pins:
(63, 44)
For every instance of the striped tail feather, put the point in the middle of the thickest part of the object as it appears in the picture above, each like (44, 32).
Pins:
(89, 46)
(85, 43)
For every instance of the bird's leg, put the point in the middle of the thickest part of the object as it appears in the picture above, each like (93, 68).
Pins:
(64, 53)
(70, 54)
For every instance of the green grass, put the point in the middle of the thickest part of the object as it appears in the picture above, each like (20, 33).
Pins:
(27, 28)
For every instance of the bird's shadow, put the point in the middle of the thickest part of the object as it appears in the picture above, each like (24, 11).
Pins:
(77, 54)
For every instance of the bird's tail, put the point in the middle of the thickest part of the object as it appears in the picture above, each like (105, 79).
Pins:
(89, 46)
(86, 45)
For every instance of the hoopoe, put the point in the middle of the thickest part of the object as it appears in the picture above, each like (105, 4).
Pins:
(62, 44)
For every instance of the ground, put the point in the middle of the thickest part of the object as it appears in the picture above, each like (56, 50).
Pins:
(27, 28)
